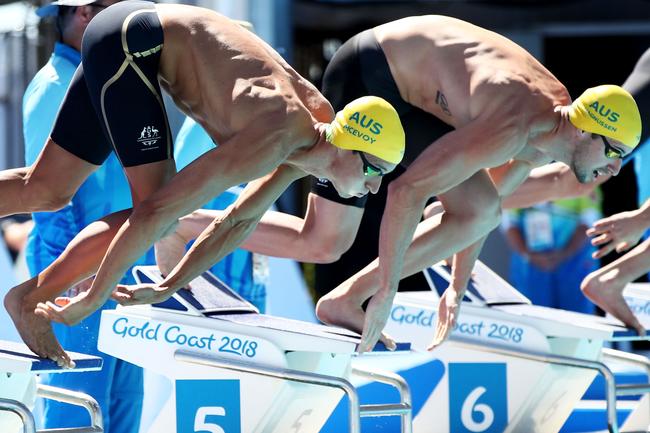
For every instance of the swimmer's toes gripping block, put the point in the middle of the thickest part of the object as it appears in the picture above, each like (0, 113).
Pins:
(403, 409)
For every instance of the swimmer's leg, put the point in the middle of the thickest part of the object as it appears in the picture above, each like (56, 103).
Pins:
(47, 185)
(604, 287)
(74, 150)
(79, 260)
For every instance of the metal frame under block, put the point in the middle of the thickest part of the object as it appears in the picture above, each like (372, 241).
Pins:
(403, 408)
(356, 411)
(634, 359)
(64, 396)
(610, 381)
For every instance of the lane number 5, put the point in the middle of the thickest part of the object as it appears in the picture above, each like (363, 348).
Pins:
(200, 424)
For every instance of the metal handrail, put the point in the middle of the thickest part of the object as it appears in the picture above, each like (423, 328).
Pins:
(294, 376)
(631, 358)
(548, 358)
(280, 373)
(635, 359)
(403, 408)
(77, 399)
(22, 411)
(62, 395)
(633, 389)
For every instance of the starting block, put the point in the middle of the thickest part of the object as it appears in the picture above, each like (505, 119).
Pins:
(18, 388)
(509, 366)
(234, 370)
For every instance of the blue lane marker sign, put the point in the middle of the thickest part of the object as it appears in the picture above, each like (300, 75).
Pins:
(211, 406)
(478, 397)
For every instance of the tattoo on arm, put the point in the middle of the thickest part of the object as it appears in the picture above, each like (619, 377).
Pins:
(442, 101)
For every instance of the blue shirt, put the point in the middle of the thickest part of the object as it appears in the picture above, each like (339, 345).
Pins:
(641, 164)
(236, 269)
(549, 226)
(104, 192)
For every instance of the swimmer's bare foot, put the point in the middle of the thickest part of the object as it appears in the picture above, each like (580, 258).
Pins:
(345, 312)
(605, 289)
(35, 331)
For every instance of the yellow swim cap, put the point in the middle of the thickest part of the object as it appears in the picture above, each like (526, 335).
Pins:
(369, 124)
(610, 111)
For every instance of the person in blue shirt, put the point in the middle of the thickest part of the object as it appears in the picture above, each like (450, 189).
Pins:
(118, 386)
(241, 270)
(551, 253)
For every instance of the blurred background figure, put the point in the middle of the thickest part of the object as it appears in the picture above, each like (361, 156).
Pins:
(118, 386)
(15, 232)
(551, 252)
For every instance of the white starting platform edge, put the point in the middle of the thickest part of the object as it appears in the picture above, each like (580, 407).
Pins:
(234, 370)
(18, 388)
(510, 366)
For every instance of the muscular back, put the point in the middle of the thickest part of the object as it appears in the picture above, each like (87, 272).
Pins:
(224, 76)
(458, 71)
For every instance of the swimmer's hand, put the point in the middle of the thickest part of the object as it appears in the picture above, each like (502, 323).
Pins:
(69, 311)
(141, 294)
(448, 310)
(377, 314)
(620, 232)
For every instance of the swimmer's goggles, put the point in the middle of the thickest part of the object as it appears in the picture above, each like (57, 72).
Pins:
(610, 151)
(369, 169)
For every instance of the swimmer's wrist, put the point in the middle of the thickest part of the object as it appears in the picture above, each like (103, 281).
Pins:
(93, 302)
(387, 291)
(172, 283)
(644, 213)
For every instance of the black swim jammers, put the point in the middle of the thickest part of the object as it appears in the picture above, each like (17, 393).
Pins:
(114, 101)
(359, 68)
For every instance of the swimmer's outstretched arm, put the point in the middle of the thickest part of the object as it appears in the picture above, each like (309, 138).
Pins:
(506, 178)
(218, 239)
(450, 301)
(550, 182)
(248, 155)
(325, 232)
(488, 141)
